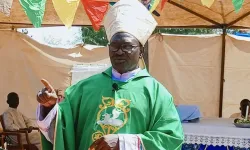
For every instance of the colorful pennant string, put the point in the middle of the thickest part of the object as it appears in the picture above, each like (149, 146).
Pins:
(207, 3)
(66, 10)
(96, 10)
(163, 2)
(150, 4)
(237, 5)
(34, 9)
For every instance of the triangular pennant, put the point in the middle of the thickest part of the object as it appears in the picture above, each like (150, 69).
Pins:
(237, 5)
(154, 4)
(151, 4)
(207, 3)
(5, 7)
(163, 2)
(34, 9)
(66, 10)
(96, 10)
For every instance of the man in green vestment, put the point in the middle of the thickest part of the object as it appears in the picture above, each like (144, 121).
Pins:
(123, 108)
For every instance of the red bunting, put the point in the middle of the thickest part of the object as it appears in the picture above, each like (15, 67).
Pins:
(96, 10)
(163, 3)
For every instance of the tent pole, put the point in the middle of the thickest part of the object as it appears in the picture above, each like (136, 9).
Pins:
(222, 69)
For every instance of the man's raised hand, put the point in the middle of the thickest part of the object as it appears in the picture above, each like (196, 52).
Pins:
(47, 96)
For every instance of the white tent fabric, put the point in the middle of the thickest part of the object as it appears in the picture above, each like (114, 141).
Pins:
(24, 62)
(237, 74)
(189, 67)
(80, 72)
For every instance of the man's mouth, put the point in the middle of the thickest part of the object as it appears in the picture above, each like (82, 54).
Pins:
(119, 60)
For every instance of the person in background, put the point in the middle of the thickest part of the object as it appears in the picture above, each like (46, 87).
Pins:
(243, 107)
(15, 120)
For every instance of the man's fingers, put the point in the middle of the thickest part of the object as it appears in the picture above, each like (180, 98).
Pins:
(42, 99)
(48, 94)
(38, 98)
(45, 97)
(47, 85)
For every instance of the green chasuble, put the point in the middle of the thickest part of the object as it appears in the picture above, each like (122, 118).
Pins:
(92, 109)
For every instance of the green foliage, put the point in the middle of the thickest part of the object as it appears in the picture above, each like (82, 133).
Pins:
(90, 36)
(185, 31)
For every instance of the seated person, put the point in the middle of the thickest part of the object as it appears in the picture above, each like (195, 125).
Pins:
(15, 120)
(188, 113)
(243, 107)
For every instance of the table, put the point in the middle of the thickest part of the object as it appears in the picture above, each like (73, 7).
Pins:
(216, 132)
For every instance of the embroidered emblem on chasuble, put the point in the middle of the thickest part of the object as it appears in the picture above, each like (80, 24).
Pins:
(112, 116)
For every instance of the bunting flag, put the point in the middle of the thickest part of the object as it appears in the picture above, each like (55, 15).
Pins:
(150, 4)
(5, 7)
(34, 9)
(96, 10)
(66, 10)
(163, 2)
(207, 3)
(237, 5)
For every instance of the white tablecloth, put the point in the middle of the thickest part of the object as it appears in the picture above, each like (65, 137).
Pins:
(216, 131)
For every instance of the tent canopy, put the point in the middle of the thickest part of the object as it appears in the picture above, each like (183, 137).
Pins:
(176, 13)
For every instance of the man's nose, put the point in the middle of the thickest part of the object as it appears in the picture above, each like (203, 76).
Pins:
(119, 52)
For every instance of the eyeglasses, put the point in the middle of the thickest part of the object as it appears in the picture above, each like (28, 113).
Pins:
(125, 48)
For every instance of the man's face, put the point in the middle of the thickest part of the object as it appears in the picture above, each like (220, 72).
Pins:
(124, 52)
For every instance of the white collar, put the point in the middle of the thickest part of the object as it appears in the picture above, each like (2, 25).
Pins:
(125, 76)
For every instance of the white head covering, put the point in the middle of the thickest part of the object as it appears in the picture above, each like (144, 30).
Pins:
(130, 16)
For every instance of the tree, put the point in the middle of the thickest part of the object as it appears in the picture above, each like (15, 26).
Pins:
(90, 36)
(185, 31)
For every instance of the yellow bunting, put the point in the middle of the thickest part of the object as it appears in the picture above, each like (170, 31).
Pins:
(66, 10)
(154, 4)
(207, 3)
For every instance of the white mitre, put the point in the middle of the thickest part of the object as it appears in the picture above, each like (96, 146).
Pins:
(130, 16)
